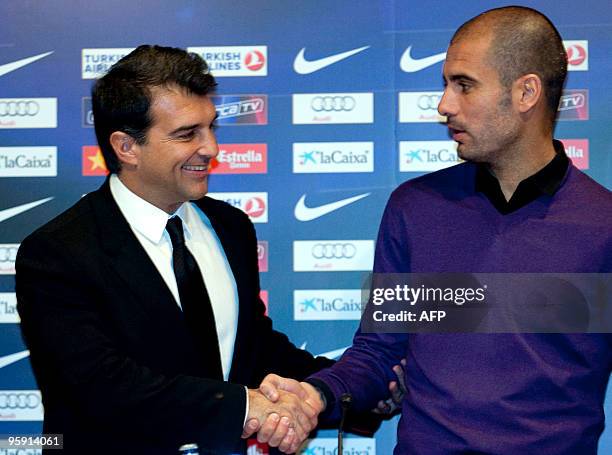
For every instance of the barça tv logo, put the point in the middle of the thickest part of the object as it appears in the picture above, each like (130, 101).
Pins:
(241, 109)
(574, 105)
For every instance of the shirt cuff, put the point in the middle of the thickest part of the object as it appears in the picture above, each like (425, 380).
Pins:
(246, 411)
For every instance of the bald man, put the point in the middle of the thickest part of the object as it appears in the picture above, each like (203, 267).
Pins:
(516, 205)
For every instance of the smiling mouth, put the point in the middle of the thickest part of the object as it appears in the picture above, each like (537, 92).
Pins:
(194, 167)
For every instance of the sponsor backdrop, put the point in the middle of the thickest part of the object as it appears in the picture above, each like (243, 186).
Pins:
(321, 115)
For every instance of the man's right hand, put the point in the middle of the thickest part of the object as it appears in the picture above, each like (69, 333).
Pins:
(284, 423)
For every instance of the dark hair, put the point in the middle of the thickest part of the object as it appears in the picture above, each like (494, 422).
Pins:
(121, 99)
(523, 41)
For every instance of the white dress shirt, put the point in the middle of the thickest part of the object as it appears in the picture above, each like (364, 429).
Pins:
(149, 226)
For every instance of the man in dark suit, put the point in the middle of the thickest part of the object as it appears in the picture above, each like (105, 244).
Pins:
(141, 309)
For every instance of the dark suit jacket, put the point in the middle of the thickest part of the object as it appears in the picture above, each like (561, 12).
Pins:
(109, 346)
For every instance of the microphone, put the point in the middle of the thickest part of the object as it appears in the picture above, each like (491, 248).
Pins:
(346, 401)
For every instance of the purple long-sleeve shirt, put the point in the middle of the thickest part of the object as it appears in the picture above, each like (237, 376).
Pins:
(488, 393)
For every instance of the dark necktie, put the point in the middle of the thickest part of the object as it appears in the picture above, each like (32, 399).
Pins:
(195, 301)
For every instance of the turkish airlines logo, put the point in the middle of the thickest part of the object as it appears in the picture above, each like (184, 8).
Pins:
(332, 255)
(254, 60)
(28, 113)
(303, 66)
(237, 61)
(93, 163)
(95, 63)
(420, 107)
(577, 150)
(255, 205)
(241, 159)
(318, 108)
(577, 54)
(409, 64)
(12, 66)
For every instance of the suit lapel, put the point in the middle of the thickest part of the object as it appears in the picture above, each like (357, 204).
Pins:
(130, 260)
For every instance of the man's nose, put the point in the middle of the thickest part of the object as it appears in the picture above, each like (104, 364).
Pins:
(446, 106)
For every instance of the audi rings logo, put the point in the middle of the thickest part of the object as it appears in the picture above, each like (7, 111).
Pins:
(333, 103)
(19, 400)
(19, 108)
(8, 253)
(333, 251)
(429, 102)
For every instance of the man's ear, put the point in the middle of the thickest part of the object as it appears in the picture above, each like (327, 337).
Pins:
(125, 148)
(528, 92)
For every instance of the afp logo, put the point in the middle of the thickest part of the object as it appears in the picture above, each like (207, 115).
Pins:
(577, 54)
(255, 205)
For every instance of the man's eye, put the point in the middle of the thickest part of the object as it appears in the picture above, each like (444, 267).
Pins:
(186, 136)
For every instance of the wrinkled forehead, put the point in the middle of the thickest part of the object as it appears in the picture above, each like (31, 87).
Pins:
(473, 47)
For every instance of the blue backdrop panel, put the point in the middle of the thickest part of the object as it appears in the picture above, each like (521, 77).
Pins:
(347, 129)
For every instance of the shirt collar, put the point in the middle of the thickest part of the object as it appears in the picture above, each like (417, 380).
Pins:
(143, 216)
(544, 182)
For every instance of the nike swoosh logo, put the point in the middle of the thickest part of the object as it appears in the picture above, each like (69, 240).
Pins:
(303, 213)
(303, 66)
(13, 211)
(12, 66)
(412, 65)
(329, 354)
(12, 358)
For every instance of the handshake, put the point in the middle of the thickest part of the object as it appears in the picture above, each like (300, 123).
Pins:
(284, 411)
